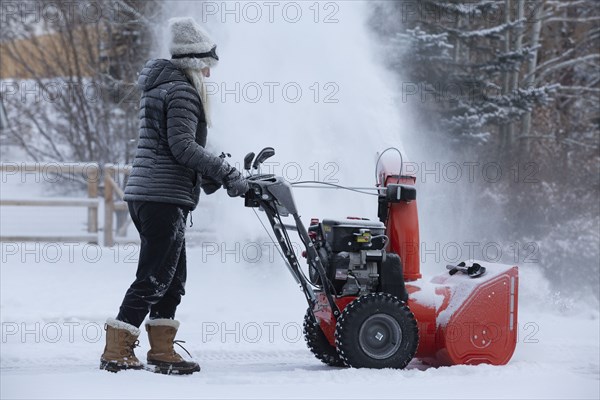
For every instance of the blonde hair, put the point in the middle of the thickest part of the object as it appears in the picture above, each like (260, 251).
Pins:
(197, 78)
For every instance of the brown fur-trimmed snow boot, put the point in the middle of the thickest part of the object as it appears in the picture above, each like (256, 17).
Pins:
(162, 355)
(121, 339)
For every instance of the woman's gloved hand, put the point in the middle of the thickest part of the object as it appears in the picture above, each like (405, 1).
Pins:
(235, 183)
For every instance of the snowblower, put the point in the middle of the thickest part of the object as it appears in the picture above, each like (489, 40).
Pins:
(368, 305)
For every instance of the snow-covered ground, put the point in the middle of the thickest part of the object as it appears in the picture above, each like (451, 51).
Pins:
(242, 322)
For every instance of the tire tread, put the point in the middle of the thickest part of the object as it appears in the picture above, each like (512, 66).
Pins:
(347, 349)
(318, 343)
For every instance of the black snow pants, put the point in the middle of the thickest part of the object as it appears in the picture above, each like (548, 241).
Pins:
(161, 271)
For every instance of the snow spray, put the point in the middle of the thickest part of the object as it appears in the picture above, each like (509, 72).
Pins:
(305, 78)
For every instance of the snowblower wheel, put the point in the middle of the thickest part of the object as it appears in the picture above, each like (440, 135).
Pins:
(318, 343)
(377, 331)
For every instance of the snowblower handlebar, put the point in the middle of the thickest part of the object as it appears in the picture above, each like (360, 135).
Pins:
(273, 195)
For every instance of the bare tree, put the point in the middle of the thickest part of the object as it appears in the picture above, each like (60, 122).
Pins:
(69, 79)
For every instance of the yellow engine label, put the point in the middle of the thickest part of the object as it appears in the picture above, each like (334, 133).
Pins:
(364, 237)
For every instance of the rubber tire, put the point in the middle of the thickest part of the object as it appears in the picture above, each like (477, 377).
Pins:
(318, 343)
(351, 320)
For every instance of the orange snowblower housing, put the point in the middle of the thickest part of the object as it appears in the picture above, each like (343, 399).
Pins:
(461, 319)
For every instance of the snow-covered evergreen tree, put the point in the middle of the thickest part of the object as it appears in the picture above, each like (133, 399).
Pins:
(518, 83)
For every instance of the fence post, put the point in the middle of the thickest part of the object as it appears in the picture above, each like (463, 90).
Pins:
(92, 189)
(109, 205)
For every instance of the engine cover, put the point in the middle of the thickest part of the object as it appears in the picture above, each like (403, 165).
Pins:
(353, 256)
(354, 235)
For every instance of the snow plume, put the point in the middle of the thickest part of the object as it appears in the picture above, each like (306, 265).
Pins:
(307, 80)
(447, 215)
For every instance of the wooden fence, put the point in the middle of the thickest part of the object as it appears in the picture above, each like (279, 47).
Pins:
(112, 174)
(91, 173)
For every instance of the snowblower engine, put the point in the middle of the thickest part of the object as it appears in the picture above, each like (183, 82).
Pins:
(352, 253)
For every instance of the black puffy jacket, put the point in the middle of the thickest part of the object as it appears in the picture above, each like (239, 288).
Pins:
(170, 159)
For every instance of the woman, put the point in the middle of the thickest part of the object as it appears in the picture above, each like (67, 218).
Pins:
(164, 186)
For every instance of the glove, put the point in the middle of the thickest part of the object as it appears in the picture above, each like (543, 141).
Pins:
(235, 183)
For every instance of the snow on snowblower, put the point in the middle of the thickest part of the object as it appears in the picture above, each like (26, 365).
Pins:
(368, 305)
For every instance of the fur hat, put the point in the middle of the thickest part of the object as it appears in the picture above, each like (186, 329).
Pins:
(190, 45)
